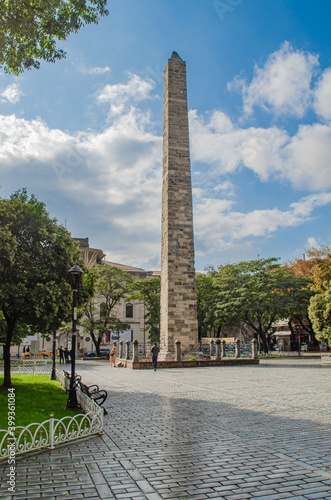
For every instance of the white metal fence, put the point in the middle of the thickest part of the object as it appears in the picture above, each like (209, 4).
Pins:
(52, 432)
(326, 360)
(28, 366)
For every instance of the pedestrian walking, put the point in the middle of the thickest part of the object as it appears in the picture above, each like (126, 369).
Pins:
(61, 352)
(66, 354)
(113, 357)
(155, 351)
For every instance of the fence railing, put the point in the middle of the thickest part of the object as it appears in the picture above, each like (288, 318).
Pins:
(216, 348)
(28, 366)
(52, 432)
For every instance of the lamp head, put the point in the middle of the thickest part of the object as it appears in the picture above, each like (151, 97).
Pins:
(75, 276)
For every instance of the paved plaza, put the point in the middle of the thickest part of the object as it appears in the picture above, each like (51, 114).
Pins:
(223, 432)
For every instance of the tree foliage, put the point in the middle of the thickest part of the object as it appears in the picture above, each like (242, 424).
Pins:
(299, 317)
(321, 271)
(209, 317)
(320, 304)
(320, 314)
(258, 293)
(30, 29)
(110, 285)
(35, 257)
(148, 291)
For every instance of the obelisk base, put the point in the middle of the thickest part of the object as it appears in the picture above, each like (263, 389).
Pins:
(173, 352)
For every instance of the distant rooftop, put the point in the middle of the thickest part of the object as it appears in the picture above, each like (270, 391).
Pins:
(92, 256)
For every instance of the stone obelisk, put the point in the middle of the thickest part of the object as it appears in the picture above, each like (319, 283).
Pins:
(178, 291)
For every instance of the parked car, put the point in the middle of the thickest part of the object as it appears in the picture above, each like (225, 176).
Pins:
(43, 353)
(104, 353)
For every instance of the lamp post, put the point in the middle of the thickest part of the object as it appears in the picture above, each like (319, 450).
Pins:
(53, 375)
(75, 274)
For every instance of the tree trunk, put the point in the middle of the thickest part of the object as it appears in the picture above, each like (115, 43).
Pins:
(293, 336)
(96, 342)
(97, 345)
(263, 338)
(6, 355)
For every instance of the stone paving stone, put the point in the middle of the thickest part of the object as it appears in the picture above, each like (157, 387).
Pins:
(277, 496)
(299, 497)
(307, 490)
(252, 434)
(238, 497)
(315, 495)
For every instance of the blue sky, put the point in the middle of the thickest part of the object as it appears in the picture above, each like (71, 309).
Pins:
(85, 134)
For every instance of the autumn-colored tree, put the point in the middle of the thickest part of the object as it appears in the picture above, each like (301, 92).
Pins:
(299, 318)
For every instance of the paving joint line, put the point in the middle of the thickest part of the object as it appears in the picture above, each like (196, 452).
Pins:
(102, 487)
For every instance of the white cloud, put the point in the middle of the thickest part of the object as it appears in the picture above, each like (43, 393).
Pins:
(228, 148)
(121, 95)
(22, 141)
(282, 85)
(306, 159)
(312, 242)
(112, 179)
(218, 226)
(322, 101)
(303, 160)
(99, 71)
(11, 94)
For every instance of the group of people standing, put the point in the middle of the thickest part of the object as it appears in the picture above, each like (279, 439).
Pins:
(64, 355)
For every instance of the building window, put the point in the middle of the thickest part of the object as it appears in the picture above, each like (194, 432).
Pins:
(129, 310)
(103, 309)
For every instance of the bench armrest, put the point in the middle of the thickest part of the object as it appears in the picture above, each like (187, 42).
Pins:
(93, 388)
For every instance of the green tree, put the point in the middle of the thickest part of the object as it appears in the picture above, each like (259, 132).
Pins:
(30, 29)
(321, 270)
(303, 268)
(108, 285)
(320, 304)
(209, 317)
(320, 314)
(258, 293)
(148, 291)
(35, 257)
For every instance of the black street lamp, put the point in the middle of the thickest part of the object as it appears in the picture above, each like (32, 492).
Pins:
(75, 275)
(53, 375)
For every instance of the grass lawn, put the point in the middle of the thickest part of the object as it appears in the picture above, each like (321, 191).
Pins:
(36, 398)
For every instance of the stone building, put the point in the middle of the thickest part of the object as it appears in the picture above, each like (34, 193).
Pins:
(132, 313)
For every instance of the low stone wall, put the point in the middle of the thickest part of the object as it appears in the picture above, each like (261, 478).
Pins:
(94, 358)
(147, 365)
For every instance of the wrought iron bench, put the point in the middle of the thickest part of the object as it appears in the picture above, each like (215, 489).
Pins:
(96, 394)
(78, 378)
